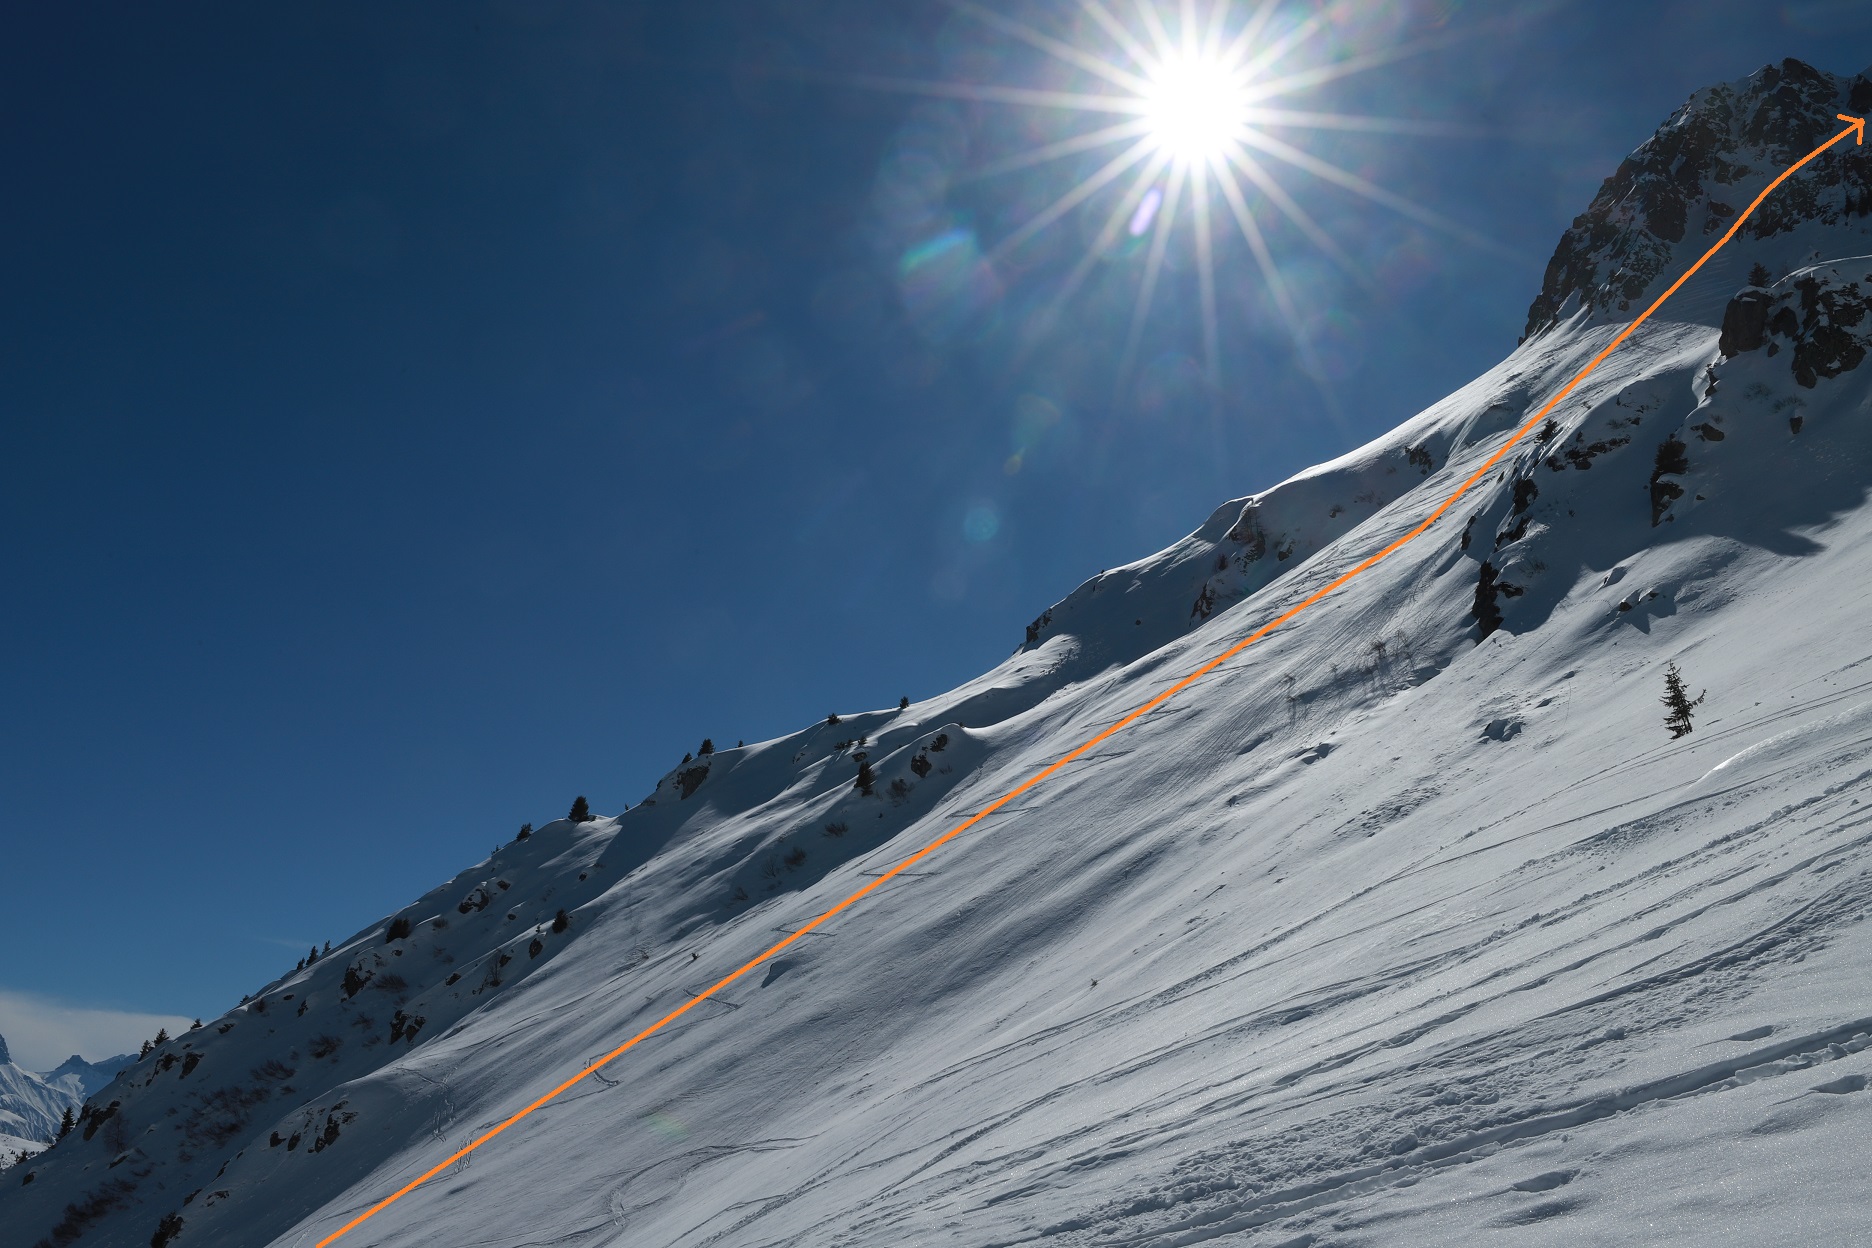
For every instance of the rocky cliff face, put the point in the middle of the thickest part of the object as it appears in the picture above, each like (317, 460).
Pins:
(1817, 315)
(1684, 186)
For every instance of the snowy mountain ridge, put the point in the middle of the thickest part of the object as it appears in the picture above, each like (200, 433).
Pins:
(1411, 925)
(32, 1104)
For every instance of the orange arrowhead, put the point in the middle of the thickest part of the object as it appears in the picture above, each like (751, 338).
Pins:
(1858, 126)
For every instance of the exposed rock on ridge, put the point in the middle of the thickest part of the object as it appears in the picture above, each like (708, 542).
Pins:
(1675, 194)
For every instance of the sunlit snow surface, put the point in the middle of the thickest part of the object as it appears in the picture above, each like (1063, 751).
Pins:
(1429, 943)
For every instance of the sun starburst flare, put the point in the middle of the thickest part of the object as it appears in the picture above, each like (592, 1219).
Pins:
(1191, 97)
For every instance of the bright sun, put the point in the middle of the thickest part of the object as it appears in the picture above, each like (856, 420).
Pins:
(1196, 107)
(1196, 96)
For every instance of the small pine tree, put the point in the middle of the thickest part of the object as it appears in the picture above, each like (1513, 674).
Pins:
(526, 831)
(162, 1035)
(147, 1046)
(903, 704)
(561, 921)
(65, 1124)
(313, 956)
(707, 748)
(1759, 275)
(581, 810)
(1679, 702)
(866, 777)
(398, 929)
(831, 719)
(196, 1025)
(327, 947)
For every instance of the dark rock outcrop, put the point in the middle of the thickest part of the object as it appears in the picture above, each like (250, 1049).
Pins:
(1819, 314)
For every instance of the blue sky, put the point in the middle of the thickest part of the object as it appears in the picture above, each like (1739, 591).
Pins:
(414, 416)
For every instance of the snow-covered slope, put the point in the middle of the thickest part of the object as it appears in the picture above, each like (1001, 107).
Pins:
(1412, 925)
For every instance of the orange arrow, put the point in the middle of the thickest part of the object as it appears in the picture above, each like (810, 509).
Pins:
(1857, 128)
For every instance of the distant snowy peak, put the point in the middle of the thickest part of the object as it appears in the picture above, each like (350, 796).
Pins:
(89, 1076)
(1684, 185)
(32, 1103)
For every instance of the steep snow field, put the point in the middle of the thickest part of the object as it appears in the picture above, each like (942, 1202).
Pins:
(1411, 925)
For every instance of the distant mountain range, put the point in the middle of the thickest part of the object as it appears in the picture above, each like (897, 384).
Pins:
(32, 1103)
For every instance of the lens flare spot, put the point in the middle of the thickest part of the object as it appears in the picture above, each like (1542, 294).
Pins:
(665, 1126)
(1013, 464)
(947, 284)
(981, 522)
(1146, 212)
(1035, 416)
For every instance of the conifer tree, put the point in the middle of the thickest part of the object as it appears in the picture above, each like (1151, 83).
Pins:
(65, 1123)
(162, 1035)
(526, 831)
(313, 956)
(708, 747)
(581, 810)
(866, 777)
(903, 704)
(1679, 702)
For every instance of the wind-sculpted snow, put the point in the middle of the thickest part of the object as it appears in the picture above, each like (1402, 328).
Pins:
(1411, 925)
